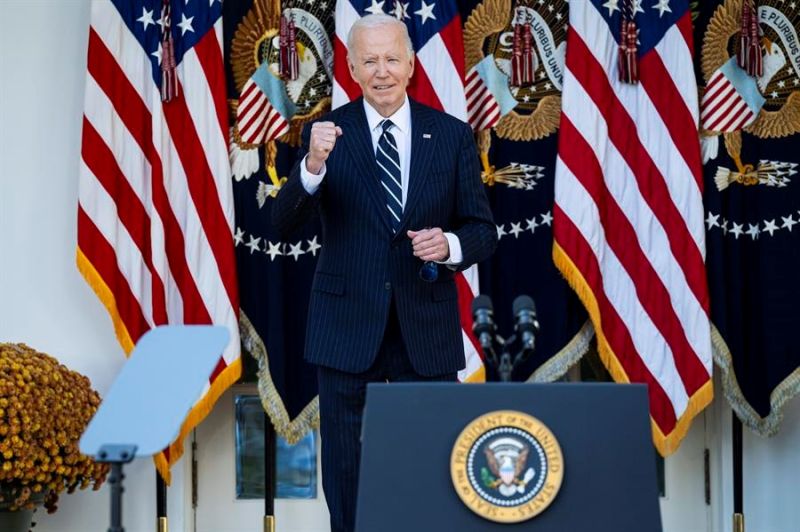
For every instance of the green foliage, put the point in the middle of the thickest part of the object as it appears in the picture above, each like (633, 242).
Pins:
(487, 478)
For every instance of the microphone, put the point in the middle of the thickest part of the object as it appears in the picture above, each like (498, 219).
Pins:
(526, 325)
(483, 321)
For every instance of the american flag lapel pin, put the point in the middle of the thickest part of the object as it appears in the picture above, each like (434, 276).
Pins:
(426, 135)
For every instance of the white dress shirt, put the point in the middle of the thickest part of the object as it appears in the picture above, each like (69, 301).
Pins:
(401, 131)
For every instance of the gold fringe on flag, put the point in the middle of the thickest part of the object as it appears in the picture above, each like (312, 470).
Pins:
(200, 410)
(292, 430)
(665, 443)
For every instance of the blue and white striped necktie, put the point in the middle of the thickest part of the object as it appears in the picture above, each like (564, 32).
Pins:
(388, 159)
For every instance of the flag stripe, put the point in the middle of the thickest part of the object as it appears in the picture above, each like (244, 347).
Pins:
(490, 120)
(675, 50)
(585, 126)
(98, 205)
(253, 115)
(248, 99)
(477, 107)
(189, 149)
(105, 71)
(714, 84)
(204, 274)
(467, 287)
(628, 226)
(602, 47)
(613, 327)
(465, 296)
(451, 36)
(343, 82)
(726, 98)
(277, 126)
(723, 96)
(100, 253)
(443, 71)
(637, 262)
(422, 90)
(155, 214)
(257, 134)
(102, 165)
(718, 110)
(672, 109)
(731, 115)
(209, 54)
(684, 25)
(622, 132)
(742, 120)
(488, 116)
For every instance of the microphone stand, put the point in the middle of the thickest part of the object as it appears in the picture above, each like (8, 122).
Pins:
(485, 329)
(506, 363)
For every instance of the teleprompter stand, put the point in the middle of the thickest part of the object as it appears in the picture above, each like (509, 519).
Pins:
(143, 411)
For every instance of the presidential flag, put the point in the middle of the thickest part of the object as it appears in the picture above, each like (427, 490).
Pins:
(438, 81)
(518, 148)
(628, 214)
(155, 208)
(275, 271)
(752, 218)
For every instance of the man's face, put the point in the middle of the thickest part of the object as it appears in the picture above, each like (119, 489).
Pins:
(380, 63)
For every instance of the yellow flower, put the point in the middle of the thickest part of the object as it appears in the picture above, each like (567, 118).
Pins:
(44, 408)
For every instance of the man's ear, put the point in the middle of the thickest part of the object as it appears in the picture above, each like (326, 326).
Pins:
(351, 67)
(411, 73)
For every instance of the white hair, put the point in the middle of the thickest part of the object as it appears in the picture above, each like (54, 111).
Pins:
(377, 21)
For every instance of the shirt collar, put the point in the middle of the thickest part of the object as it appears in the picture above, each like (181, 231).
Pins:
(401, 118)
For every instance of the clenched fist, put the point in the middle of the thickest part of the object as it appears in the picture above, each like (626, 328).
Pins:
(323, 139)
(430, 244)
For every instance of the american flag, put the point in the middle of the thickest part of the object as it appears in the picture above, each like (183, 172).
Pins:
(628, 221)
(435, 31)
(155, 209)
(438, 81)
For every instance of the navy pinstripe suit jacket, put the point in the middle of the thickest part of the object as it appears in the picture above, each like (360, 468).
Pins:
(362, 265)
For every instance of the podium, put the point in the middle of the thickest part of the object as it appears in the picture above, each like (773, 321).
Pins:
(603, 430)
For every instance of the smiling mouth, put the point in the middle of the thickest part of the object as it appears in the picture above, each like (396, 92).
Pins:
(383, 87)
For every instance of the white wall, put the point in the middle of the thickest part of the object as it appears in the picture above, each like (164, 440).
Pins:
(45, 303)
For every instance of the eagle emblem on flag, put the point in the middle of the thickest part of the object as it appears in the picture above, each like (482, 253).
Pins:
(526, 42)
(766, 105)
(282, 63)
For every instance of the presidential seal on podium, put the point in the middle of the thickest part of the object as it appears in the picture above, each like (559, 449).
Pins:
(507, 466)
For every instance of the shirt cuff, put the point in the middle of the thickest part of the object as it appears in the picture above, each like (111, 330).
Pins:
(455, 250)
(311, 181)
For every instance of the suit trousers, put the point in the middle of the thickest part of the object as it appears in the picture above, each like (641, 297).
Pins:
(341, 400)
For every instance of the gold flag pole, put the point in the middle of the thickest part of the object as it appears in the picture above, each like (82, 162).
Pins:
(738, 485)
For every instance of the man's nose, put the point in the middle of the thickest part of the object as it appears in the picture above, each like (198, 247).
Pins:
(382, 70)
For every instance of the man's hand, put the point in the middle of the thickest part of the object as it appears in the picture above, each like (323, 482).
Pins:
(430, 244)
(323, 139)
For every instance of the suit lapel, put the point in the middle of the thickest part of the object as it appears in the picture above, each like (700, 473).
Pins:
(423, 141)
(358, 144)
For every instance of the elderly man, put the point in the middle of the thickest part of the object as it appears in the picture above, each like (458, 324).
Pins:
(397, 186)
